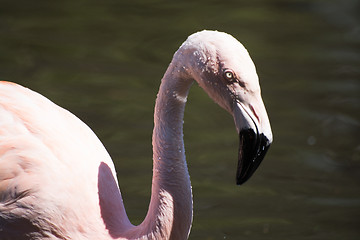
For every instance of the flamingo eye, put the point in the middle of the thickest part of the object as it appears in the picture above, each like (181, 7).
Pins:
(229, 75)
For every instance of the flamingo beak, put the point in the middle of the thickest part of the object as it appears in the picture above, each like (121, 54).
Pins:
(254, 141)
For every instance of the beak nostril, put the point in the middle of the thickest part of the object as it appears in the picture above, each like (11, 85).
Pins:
(254, 112)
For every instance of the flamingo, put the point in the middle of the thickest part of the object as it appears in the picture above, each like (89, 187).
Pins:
(57, 181)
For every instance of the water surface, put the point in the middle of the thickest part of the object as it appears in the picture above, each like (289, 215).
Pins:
(103, 60)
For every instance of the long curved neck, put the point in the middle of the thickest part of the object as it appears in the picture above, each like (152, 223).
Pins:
(170, 210)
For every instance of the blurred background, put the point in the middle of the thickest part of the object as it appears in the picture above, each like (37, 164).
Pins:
(103, 60)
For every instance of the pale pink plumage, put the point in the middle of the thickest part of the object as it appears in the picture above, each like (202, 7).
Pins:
(57, 181)
(44, 176)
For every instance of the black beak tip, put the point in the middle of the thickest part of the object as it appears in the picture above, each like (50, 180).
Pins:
(252, 150)
(240, 181)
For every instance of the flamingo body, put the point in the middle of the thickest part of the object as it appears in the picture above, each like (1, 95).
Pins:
(44, 178)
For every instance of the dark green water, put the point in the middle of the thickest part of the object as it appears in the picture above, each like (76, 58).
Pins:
(103, 60)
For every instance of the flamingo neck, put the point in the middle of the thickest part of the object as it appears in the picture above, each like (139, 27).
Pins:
(170, 210)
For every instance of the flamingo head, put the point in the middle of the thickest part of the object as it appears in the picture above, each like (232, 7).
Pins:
(223, 68)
